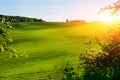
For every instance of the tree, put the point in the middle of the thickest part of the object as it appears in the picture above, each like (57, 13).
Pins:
(4, 27)
(104, 64)
(5, 38)
(21, 19)
(115, 7)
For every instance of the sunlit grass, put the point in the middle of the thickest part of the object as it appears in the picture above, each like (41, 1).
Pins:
(48, 44)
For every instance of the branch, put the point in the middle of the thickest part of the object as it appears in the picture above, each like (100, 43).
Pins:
(115, 7)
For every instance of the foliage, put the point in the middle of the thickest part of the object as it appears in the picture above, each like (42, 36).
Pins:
(67, 72)
(21, 19)
(115, 7)
(4, 27)
(104, 64)
(4, 36)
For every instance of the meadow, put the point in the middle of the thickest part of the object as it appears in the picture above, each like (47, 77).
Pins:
(48, 44)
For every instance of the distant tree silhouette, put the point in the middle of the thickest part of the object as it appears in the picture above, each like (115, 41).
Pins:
(21, 19)
(67, 20)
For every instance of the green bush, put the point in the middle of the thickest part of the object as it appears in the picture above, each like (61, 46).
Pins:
(67, 71)
(5, 52)
(103, 64)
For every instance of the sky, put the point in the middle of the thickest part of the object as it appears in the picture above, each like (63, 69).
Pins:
(54, 10)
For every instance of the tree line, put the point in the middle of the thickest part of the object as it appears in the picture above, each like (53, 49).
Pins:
(20, 19)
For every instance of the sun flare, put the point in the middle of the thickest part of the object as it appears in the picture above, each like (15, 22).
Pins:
(107, 18)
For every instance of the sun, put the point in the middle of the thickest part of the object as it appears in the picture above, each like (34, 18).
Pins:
(107, 18)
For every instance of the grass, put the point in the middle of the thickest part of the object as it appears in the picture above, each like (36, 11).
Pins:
(48, 44)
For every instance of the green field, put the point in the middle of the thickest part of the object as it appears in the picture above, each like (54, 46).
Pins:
(48, 44)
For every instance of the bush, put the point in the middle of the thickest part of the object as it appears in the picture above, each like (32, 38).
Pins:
(5, 52)
(67, 71)
(103, 64)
